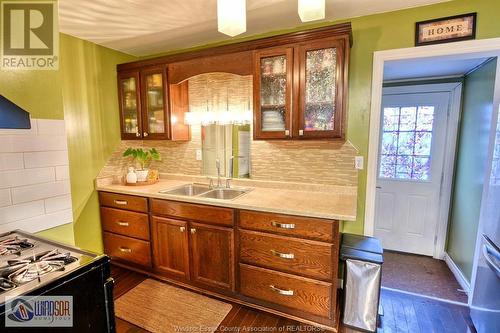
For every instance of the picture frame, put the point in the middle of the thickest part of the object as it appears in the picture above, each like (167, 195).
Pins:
(446, 29)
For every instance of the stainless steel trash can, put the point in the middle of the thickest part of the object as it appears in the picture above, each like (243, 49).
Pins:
(362, 278)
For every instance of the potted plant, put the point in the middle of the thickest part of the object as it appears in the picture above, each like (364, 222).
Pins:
(143, 158)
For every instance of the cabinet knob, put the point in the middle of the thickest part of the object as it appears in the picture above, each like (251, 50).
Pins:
(145, 134)
(121, 202)
(182, 229)
(137, 134)
(287, 132)
(283, 255)
(125, 249)
(283, 225)
(301, 132)
(122, 224)
(193, 230)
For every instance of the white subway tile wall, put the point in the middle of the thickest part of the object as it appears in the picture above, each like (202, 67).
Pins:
(34, 177)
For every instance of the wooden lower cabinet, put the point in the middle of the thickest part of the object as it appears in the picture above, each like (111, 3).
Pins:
(212, 255)
(284, 264)
(170, 247)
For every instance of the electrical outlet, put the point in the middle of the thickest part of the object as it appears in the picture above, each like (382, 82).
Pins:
(198, 155)
(358, 162)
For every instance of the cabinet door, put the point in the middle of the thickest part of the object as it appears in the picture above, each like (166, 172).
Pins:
(155, 118)
(130, 105)
(321, 90)
(170, 247)
(212, 256)
(273, 93)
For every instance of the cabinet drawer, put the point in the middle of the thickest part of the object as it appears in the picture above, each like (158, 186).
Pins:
(287, 290)
(307, 227)
(127, 249)
(293, 255)
(125, 223)
(123, 201)
(202, 213)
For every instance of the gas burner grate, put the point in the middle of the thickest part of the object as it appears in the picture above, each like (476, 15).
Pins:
(14, 245)
(21, 271)
(6, 284)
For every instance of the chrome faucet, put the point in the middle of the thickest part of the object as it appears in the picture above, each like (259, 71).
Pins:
(219, 181)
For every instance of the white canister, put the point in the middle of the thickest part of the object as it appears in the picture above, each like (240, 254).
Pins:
(142, 175)
(131, 176)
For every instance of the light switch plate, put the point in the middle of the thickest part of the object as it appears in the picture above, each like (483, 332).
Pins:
(358, 162)
(198, 155)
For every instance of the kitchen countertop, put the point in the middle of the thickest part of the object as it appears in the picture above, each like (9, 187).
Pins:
(311, 200)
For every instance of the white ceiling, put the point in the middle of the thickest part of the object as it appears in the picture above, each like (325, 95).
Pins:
(429, 67)
(144, 27)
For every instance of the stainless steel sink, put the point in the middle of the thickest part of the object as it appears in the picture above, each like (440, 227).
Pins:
(189, 190)
(224, 193)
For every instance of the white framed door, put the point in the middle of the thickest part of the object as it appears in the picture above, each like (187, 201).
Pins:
(412, 146)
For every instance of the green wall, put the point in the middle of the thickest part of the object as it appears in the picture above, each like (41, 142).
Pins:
(470, 168)
(83, 92)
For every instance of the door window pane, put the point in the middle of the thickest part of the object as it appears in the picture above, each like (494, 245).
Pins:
(156, 113)
(406, 143)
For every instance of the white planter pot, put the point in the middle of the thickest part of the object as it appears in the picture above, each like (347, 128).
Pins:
(142, 175)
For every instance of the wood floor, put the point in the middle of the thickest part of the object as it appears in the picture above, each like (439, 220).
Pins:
(402, 313)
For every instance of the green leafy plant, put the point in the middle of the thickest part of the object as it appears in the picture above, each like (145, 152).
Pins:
(143, 157)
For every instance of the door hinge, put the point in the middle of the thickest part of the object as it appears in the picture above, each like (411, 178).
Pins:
(435, 239)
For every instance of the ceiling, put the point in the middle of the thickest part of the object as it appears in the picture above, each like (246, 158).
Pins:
(429, 67)
(144, 27)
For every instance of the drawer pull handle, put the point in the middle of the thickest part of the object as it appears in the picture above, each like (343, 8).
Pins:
(283, 225)
(193, 230)
(281, 291)
(283, 255)
(125, 249)
(182, 229)
(121, 202)
(122, 224)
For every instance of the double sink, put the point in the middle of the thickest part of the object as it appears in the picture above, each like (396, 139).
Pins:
(205, 191)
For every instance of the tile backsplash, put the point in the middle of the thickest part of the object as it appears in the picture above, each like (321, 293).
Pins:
(34, 177)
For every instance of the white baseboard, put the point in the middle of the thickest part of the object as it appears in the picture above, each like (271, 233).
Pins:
(462, 281)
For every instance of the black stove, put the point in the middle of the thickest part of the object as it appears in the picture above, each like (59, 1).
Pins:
(33, 266)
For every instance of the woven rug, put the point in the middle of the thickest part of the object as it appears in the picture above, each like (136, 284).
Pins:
(162, 308)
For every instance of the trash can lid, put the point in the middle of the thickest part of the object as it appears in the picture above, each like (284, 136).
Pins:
(349, 253)
(360, 242)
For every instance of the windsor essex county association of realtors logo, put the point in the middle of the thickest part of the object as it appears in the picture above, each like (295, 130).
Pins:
(30, 37)
(39, 311)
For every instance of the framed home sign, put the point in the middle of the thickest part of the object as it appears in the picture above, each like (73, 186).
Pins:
(446, 29)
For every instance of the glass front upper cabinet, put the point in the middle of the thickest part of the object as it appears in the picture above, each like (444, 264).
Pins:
(272, 93)
(155, 119)
(128, 84)
(321, 82)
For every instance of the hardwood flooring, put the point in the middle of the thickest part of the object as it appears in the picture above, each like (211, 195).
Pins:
(402, 313)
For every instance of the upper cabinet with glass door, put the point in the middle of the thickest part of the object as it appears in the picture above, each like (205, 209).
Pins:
(155, 121)
(321, 109)
(130, 104)
(272, 93)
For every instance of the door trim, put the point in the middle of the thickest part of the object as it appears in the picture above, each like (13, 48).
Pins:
(458, 50)
(450, 140)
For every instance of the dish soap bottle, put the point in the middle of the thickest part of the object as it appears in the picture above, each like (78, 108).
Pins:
(131, 176)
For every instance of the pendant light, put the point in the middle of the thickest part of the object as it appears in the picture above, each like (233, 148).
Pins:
(231, 17)
(311, 10)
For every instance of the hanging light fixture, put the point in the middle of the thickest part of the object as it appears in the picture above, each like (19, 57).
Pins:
(231, 17)
(311, 10)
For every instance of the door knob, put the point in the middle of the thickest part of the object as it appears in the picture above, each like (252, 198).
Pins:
(137, 134)
(379, 187)
(145, 134)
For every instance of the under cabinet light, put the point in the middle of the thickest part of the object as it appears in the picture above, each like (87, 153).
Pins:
(231, 17)
(311, 10)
